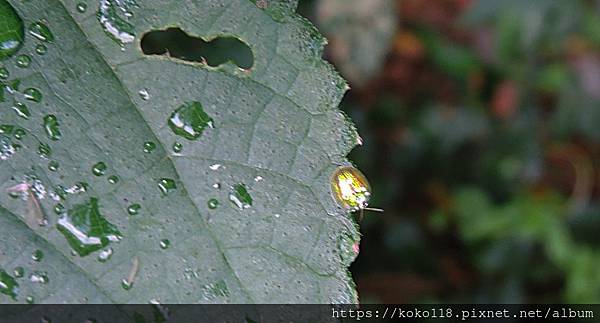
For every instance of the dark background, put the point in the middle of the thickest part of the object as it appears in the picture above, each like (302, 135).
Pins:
(481, 129)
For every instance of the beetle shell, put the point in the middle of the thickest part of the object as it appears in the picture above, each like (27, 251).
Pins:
(350, 188)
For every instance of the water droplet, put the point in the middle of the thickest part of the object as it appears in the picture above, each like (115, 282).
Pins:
(20, 133)
(4, 73)
(215, 290)
(12, 32)
(51, 127)
(79, 187)
(240, 197)
(33, 94)
(12, 86)
(40, 31)
(164, 244)
(113, 179)
(53, 165)
(23, 61)
(39, 277)
(81, 7)
(216, 185)
(214, 166)
(177, 147)
(21, 110)
(213, 204)
(126, 285)
(190, 120)
(277, 215)
(37, 255)
(59, 209)
(258, 179)
(114, 25)
(166, 185)
(29, 299)
(44, 150)
(144, 94)
(8, 285)
(99, 169)
(41, 49)
(134, 209)
(85, 229)
(149, 146)
(19, 272)
(105, 255)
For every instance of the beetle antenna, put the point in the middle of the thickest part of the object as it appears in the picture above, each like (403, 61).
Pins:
(373, 209)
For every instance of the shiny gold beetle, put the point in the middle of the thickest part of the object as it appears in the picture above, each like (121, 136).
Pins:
(351, 189)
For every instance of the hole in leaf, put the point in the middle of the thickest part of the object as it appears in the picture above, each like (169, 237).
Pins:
(174, 42)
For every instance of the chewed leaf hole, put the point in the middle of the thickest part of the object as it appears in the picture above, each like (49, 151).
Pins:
(175, 43)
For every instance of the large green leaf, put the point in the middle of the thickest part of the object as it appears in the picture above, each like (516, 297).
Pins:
(242, 213)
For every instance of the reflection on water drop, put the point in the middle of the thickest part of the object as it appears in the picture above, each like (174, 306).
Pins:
(113, 179)
(8, 285)
(134, 209)
(177, 147)
(190, 120)
(19, 272)
(258, 179)
(59, 209)
(81, 7)
(214, 166)
(23, 61)
(164, 244)
(86, 230)
(213, 204)
(37, 255)
(41, 49)
(215, 290)
(39, 277)
(149, 147)
(4, 73)
(33, 94)
(40, 31)
(12, 32)
(99, 168)
(144, 94)
(105, 255)
(21, 110)
(166, 185)
(240, 197)
(53, 165)
(51, 127)
(114, 16)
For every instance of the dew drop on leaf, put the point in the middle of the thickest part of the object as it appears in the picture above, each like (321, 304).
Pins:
(19, 272)
(81, 7)
(39, 277)
(166, 185)
(29, 299)
(53, 165)
(105, 254)
(12, 31)
(113, 179)
(51, 127)
(23, 61)
(134, 209)
(190, 120)
(164, 244)
(37, 255)
(4, 73)
(213, 204)
(8, 284)
(33, 94)
(41, 49)
(99, 169)
(149, 146)
(240, 196)
(40, 31)
(177, 147)
(21, 110)
(114, 16)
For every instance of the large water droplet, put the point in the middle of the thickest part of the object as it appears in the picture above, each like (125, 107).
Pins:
(40, 31)
(12, 31)
(166, 185)
(240, 197)
(165, 243)
(114, 16)
(81, 7)
(99, 169)
(190, 120)
(86, 230)
(37, 255)
(8, 285)
(113, 179)
(53, 165)
(21, 110)
(23, 61)
(51, 127)
(33, 94)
